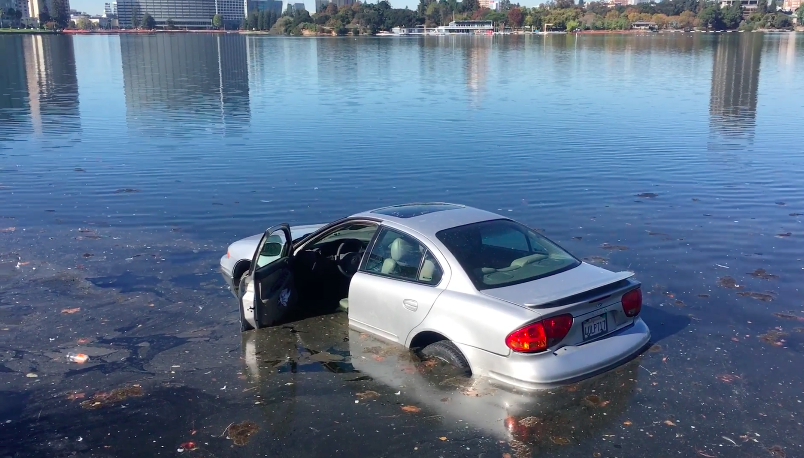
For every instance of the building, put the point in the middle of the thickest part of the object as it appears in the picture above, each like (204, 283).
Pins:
(110, 9)
(37, 7)
(190, 14)
(643, 25)
(466, 27)
(263, 5)
(233, 12)
(637, 2)
(298, 7)
(321, 5)
(22, 6)
(791, 5)
(748, 5)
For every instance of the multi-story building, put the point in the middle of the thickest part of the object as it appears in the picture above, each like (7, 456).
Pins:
(299, 7)
(748, 5)
(792, 5)
(322, 4)
(191, 14)
(233, 11)
(263, 5)
(37, 7)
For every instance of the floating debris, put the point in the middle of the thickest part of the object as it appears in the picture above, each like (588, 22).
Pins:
(728, 282)
(126, 190)
(656, 233)
(777, 451)
(679, 303)
(669, 423)
(102, 399)
(530, 421)
(758, 296)
(560, 440)
(786, 234)
(647, 195)
(727, 378)
(704, 296)
(655, 348)
(8, 229)
(71, 311)
(796, 214)
(780, 203)
(411, 409)
(763, 274)
(368, 395)
(787, 316)
(595, 401)
(240, 433)
(773, 337)
(607, 246)
(577, 238)
(596, 260)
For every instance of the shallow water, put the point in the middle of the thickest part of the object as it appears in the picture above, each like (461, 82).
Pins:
(127, 164)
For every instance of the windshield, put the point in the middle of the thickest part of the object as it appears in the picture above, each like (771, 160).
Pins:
(502, 252)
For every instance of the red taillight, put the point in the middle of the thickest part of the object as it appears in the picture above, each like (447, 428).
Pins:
(541, 335)
(632, 302)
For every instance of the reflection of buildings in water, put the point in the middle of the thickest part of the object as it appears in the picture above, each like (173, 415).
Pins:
(477, 66)
(787, 56)
(735, 83)
(39, 82)
(200, 77)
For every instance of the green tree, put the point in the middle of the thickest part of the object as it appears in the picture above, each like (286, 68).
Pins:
(148, 22)
(2, 15)
(800, 15)
(733, 15)
(710, 17)
(217, 21)
(60, 13)
(170, 24)
(772, 7)
(84, 23)
(782, 21)
(762, 7)
(135, 15)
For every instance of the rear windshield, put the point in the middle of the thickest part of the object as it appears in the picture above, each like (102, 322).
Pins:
(502, 253)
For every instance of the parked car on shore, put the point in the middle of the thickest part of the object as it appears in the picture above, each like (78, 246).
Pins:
(478, 290)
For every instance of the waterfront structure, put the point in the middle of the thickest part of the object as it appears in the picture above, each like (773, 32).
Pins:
(191, 14)
(415, 30)
(748, 5)
(466, 27)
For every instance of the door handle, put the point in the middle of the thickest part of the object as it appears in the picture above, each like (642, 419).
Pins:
(410, 304)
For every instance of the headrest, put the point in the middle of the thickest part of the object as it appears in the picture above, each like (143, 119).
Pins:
(399, 249)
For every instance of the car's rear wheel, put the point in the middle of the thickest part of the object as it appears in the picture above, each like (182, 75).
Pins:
(449, 353)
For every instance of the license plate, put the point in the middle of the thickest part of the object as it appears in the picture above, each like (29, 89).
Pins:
(594, 327)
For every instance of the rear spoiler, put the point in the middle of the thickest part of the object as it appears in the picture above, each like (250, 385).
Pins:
(621, 283)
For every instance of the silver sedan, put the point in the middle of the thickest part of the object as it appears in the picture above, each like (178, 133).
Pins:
(476, 289)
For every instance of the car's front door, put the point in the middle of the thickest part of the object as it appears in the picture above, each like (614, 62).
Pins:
(269, 292)
(397, 285)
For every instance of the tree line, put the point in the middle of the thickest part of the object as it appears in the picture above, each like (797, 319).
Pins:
(369, 18)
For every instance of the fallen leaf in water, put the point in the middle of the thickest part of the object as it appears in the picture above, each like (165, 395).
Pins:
(368, 395)
(627, 423)
(595, 401)
(189, 446)
(530, 421)
(442, 438)
(669, 423)
(647, 195)
(727, 378)
(773, 337)
(72, 310)
(596, 260)
(607, 246)
(378, 358)
(728, 282)
(101, 398)
(411, 409)
(506, 455)
(560, 440)
(778, 451)
(704, 296)
(83, 340)
(763, 274)
(655, 348)
(126, 190)
(700, 452)
(74, 396)
(679, 303)
(786, 234)
(8, 229)
(240, 433)
(796, 214)
(758, 296)
(787, 316)
(88, 255)
(596, 455)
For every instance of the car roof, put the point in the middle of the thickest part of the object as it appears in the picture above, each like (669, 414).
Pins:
(430, 217)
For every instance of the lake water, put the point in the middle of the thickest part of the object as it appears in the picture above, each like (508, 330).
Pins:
(677, 156)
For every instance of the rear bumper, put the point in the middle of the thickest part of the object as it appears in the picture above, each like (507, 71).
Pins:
(226, 272)
(565, 365)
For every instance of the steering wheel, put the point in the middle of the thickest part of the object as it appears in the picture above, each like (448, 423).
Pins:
(348, 265)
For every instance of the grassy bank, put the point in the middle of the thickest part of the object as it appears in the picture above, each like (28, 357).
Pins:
(26, 31)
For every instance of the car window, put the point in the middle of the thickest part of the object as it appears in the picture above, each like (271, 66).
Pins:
(360, 231)
(503, 252)
(399, 255)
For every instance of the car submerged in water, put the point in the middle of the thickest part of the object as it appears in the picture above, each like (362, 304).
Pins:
(473, 288)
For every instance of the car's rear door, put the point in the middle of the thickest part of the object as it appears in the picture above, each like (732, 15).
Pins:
(269, 292)
(396, 286)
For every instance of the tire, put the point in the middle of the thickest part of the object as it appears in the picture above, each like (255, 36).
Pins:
(448, 352)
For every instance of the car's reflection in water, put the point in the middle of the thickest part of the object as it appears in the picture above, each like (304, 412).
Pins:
(348, 361)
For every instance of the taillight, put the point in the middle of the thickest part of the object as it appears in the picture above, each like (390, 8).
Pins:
(632, 302)
(541, 335)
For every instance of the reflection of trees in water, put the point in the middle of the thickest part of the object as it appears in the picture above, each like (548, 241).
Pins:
(199, 79)
(39, 83)
(735, 83)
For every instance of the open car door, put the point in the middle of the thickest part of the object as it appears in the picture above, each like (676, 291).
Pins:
(268, 292)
